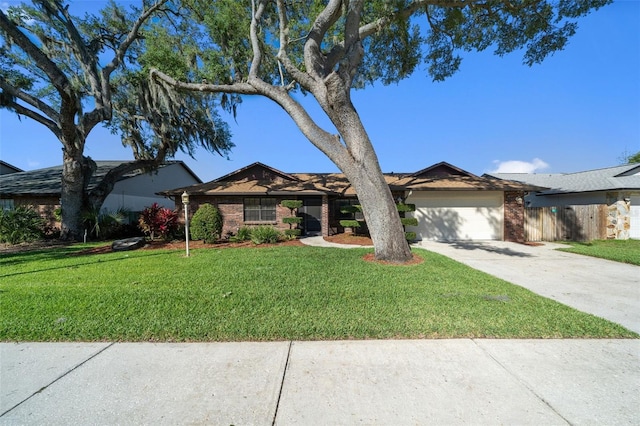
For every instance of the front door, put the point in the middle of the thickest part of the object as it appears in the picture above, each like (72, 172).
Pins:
(311, 213)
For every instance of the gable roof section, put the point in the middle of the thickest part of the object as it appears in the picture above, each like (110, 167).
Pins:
(47, 181)
(259, 179)
(254, 179)
(617, 178)
(256, 171)
(442, 169)
(6, 168)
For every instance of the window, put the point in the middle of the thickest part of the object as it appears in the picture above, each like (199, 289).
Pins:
(6, 204)
(259, 209)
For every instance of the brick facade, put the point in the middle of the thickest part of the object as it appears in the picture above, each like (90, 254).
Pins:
(232, 210)
(514, 216)
(45, 206)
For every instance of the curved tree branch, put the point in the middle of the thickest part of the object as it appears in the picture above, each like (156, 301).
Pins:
(256, 15)
(42, 61)
(31, 100)
(240, 88)
(302, 78)
(313, 57)
(22, 110)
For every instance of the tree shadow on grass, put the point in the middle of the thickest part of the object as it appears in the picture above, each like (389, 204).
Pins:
(64, 253)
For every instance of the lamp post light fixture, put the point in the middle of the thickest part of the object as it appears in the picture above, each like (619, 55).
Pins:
(185, 201)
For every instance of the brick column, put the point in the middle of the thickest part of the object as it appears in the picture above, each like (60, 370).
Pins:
(325, 216)
(514, 216)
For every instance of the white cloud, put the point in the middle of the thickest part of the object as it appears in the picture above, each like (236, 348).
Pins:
(516, 166)
(32, 164)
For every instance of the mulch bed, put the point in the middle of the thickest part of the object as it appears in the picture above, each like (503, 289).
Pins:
(366, 241)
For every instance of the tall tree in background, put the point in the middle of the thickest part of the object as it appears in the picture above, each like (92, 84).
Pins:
(68, 74)
(327, 48)
(632, 158)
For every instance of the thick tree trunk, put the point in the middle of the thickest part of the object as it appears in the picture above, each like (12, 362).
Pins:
(381, 215)
(360, 165)
(76, 172)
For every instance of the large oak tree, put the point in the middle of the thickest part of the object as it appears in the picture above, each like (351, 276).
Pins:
(327, 48)
(71, 74)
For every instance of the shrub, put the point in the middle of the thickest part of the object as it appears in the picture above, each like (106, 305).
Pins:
(291, 204)
(402, 207)
(156, 220)
(244, 233)
(104, 225)
(20, 225)
(350, 223)
(265, 235)
(346, 209)
(409, 221)
(410, 236)
(206, 224)
(292, 234)
(293, 220)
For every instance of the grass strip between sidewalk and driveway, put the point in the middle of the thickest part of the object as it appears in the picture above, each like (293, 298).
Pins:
(268, 293)
(625, 251)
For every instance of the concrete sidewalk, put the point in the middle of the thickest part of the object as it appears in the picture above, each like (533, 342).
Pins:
(462, 381)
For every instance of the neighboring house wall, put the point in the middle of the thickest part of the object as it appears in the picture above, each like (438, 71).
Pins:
(577, 199)
(634, 228)
(619, 215)
(621, 221)
(138, 192)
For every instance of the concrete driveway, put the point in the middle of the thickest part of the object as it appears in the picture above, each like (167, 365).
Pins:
(610, 290)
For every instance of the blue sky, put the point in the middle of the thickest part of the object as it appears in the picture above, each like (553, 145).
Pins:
(579, 110)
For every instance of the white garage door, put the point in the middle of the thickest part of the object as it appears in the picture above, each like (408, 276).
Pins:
(634, 230)
(458, 215)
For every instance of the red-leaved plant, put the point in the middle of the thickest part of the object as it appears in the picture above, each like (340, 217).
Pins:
(158, 221)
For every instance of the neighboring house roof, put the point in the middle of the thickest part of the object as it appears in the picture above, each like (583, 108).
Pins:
(259, 179)
(618, 178)
(47, 182)
(6, 168)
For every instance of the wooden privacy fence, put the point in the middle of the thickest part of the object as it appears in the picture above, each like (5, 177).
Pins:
(566, 223)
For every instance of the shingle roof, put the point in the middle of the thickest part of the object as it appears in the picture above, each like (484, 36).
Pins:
(625, 177)
(280, 183)
(47, 181)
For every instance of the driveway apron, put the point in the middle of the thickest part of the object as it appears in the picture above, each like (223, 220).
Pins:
(610, 290)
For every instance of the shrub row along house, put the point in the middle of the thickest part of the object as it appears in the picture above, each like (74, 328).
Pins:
(451, 204)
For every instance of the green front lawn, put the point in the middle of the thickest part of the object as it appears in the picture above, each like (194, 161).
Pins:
(270, 293)
(627, 251)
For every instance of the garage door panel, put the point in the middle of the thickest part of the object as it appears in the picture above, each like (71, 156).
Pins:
(450, 216)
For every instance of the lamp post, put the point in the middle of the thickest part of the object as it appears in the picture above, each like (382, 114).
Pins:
(185, 201)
